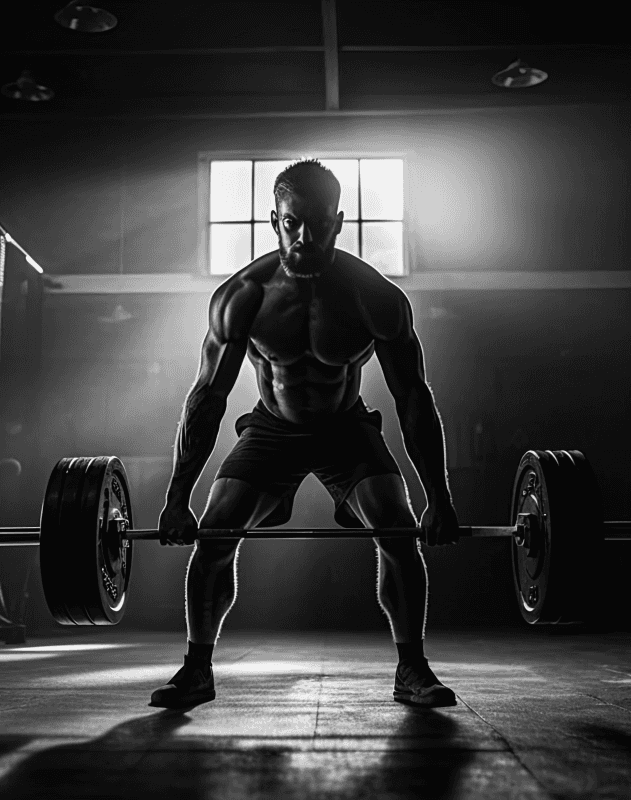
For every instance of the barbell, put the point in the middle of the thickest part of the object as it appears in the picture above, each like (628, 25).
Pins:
(86, 537)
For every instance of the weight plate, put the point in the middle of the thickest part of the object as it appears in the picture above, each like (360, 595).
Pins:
(107, 591)
(539, 573)
(53, 562)
(582, 573)
(71, 539)
(85, 569)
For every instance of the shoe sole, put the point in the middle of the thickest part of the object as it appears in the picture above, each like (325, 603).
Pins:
(185, 702)
(437, 700)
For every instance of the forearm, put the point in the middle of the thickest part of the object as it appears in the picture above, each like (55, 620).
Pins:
(425, 442)
(196, 437)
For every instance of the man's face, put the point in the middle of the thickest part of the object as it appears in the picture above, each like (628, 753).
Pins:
(306, 234)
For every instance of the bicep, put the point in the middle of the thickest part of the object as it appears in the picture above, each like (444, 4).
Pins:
(402, 364)
(402, 359)
(220, 363)
(225, 343)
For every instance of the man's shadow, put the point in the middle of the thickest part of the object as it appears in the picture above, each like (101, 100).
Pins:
(149, 757)
(422, 758)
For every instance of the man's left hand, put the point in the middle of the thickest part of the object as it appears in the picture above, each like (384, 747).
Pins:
(439, 524)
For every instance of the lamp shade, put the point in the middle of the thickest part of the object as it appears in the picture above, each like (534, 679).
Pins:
(85, 18)
(519, 75)
(26, 88)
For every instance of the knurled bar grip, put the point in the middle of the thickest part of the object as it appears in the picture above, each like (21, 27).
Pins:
(316, 533)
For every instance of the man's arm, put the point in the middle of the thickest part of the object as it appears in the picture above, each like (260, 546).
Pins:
(402, 362)
(232, 310)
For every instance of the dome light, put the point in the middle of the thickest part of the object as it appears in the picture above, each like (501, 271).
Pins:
(25, 88)
(85, 18)
(519, 75)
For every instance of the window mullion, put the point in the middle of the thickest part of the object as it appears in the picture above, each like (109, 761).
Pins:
(360, 241)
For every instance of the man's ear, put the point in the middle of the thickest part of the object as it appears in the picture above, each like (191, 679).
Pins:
(338, 222)
(274, 220)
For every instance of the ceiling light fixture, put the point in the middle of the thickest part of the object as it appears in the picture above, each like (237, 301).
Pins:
(85, 18)
(519, 75)
(26, 88)
(118, 315)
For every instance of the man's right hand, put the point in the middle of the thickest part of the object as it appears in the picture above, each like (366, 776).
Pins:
(177, 525)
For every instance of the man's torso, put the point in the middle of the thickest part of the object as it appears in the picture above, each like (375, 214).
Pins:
(309, 339)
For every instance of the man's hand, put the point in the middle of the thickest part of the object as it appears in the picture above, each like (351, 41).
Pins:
(177, 525)
(439, 524)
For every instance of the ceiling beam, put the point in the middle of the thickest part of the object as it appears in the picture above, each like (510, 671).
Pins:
(476, 106)
(331, 63)
(179, 51)
(373, 48)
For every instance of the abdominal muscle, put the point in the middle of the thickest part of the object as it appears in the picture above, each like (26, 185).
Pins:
(301, 393)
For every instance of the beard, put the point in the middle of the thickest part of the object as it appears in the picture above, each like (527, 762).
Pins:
(306, 262)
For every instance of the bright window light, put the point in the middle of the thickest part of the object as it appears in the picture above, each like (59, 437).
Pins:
(381, 188)
(383, 246)
(230, 192)
(242, 198)
(230, 248)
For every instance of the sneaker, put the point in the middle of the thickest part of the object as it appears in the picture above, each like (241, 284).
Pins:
(190, 686)
(416, 684)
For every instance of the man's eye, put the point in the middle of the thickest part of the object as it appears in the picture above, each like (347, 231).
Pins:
(289, 223)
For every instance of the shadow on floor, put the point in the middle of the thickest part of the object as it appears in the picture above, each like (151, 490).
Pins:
(149, 757)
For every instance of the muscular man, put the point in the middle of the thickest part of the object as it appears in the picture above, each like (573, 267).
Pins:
(309, 317)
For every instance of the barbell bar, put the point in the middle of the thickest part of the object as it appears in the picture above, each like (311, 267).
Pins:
(86, 537)
(30, 537)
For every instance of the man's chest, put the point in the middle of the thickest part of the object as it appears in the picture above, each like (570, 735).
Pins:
(328, 326)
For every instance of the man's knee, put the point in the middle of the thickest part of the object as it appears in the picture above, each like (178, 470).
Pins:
(215, 555)
(398, 549)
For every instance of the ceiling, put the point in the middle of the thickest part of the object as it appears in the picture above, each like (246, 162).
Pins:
(192, 59)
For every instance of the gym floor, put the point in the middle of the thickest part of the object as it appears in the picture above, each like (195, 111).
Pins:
(540, 715)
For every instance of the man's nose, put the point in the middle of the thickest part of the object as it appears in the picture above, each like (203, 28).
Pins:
(305, 233)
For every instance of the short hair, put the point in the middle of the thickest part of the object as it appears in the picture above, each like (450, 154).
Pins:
(308, 178)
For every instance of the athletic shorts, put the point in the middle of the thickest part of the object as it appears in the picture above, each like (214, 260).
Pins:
(275, 456)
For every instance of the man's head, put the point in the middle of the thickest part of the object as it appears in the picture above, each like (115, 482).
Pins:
(306, 218)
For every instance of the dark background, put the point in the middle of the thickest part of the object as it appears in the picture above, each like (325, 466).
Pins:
(102, 180)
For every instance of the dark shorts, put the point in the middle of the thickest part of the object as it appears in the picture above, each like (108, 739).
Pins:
(275, 456)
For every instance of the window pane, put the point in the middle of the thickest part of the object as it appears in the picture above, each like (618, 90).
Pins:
(348, 238)
(230, 190)
(230, 248)
(265, 238)
(382, 188)
(382, 245)
(265, 173)
(346, 171)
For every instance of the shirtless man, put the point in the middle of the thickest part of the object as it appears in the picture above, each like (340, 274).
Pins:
(309, 317)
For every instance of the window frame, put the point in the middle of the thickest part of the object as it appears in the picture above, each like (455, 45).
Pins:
(203, 192)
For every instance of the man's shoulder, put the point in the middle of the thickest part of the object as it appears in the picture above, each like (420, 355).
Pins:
(383, 302)
(236, 301)
(366, 276)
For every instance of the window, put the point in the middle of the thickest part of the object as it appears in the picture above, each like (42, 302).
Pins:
(240, 198)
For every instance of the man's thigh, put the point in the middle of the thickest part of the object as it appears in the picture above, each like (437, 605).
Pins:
(381, 501)
(234, 503)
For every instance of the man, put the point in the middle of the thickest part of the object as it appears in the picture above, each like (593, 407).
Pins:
(309, 317)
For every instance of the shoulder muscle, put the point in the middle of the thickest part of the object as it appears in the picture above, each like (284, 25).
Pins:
(385, 308)
(233, 308)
